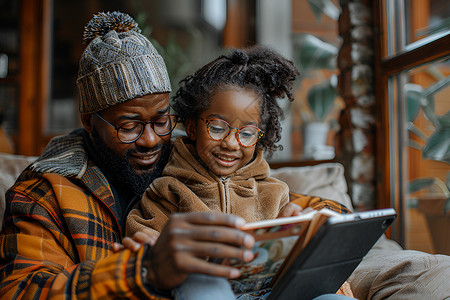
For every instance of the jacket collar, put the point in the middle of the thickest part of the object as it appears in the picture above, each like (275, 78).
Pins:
(64, 155)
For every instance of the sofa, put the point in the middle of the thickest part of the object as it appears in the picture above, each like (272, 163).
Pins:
(387, 271)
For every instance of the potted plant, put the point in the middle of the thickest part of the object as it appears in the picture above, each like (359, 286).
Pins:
(431, 194)
(314, 55)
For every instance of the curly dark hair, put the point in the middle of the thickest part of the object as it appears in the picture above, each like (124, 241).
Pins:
(257, 68)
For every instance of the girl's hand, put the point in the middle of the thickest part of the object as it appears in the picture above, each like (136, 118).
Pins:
(147, 236)
(290, 210)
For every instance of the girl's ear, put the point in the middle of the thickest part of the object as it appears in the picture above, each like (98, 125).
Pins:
(86, 120)
(191, 129)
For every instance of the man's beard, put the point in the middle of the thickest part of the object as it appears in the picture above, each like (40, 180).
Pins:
(120, 168)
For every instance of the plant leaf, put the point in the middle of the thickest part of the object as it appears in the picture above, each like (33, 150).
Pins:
(438, 146)
(326, 7)
(447, 180)
(420, 184)
(412, 202)
(417, 131)
(444, 120)
(413, 94)
(447, 205)
(316, 11)
(442, 25)
(434, 88)
(313, 53)
(321, 99)
(413, 144)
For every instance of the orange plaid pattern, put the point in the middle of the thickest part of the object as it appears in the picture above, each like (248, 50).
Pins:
(56, 242)
(317, 203)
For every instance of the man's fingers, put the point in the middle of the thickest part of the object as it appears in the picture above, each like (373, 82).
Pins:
(214, 250)
(216, 234)
(210, 218)
(188, 238)
(196, 265)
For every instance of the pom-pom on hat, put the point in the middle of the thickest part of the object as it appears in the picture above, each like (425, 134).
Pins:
(118, 64)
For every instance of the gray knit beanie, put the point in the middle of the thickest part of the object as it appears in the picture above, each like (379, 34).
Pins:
(118, 64)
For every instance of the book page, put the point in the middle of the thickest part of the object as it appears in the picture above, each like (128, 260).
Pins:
(278, 242)
(273, 245)
(317, 221)
(280, 221)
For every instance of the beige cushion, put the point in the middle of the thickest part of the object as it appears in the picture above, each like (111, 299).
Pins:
(10, 168)
(388, 272)
(324, 180)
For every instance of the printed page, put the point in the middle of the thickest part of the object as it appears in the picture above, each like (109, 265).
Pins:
(271, 249)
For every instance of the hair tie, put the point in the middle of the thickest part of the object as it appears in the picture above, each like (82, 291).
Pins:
(239, 57)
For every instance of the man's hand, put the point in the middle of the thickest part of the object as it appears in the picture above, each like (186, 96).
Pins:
(290, 210)
(188, 239)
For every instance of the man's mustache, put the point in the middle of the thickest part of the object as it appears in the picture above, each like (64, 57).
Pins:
(144, 150)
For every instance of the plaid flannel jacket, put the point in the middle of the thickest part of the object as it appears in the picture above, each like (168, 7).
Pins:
(59, 227)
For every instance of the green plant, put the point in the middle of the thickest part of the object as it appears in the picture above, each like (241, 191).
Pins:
(435, 146)
(313, 54)
(321, 98)
(326, 7)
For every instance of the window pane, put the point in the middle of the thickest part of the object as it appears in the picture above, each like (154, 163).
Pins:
(409, 24)
(420, 154)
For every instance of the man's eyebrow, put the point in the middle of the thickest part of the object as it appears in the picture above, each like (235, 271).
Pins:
(164, 110)
(137, 116)
(128, 117)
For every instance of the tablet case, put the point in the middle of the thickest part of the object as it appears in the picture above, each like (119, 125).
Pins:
(332, 255)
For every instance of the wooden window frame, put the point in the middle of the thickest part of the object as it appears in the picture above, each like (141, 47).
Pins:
(384, 68)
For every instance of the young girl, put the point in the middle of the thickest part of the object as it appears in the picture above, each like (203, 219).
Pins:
(230, 111)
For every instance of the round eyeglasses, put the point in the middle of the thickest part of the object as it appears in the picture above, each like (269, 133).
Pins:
(131, 131)
(247, 136)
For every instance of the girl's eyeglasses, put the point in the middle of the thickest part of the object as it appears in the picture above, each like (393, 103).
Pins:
(247, 136)
(131, 131)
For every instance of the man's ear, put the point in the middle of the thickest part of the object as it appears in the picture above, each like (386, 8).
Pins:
(191, 129)
(86, 120)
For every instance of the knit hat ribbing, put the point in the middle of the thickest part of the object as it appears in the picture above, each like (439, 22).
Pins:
(119, 64)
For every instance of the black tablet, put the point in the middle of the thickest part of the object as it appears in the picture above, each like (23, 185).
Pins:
(332, 254)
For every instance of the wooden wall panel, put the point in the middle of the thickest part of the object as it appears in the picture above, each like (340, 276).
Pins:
(34, 74)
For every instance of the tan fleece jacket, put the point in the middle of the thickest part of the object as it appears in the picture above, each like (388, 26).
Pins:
(187, 185)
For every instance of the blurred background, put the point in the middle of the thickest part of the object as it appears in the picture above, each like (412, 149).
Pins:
(188, 34)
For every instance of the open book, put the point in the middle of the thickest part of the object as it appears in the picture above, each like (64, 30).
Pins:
(279, 242)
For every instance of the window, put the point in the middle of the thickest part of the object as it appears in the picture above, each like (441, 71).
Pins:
(414, 132)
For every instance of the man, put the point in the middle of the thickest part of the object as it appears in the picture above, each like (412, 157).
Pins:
(67, 209)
